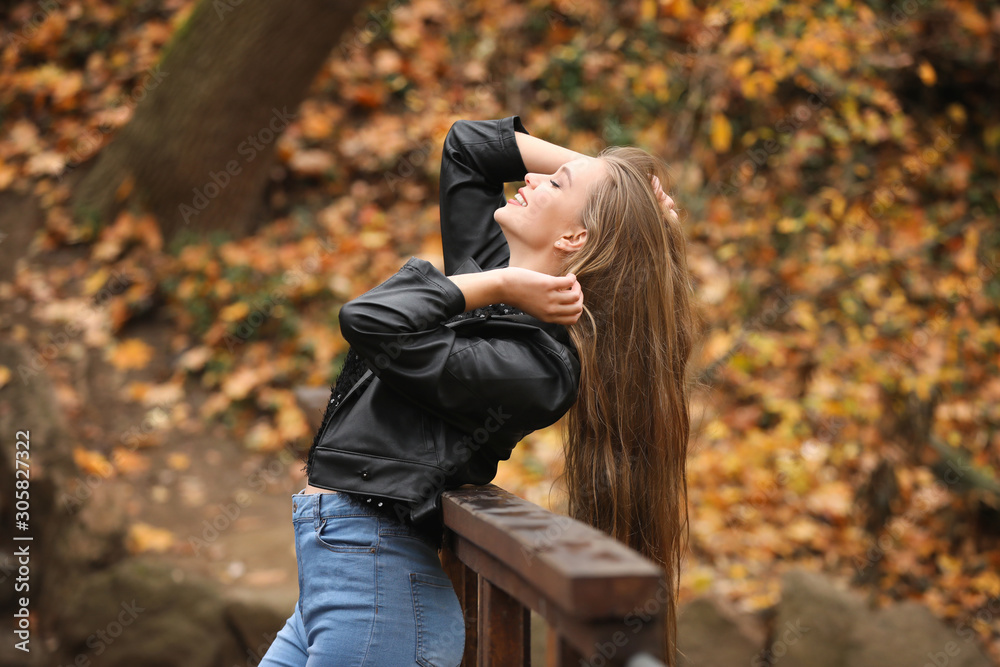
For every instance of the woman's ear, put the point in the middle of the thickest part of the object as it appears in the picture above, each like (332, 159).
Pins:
(572, 241)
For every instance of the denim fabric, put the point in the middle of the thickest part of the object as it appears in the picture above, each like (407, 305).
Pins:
(372, 593)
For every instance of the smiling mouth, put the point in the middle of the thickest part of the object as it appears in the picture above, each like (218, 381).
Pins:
(518, 199)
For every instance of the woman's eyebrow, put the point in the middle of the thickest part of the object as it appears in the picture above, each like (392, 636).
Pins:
(569, 174)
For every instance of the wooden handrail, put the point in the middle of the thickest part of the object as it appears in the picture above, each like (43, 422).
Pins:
(603, 602)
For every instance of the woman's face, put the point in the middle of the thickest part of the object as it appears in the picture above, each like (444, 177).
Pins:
(545, 214)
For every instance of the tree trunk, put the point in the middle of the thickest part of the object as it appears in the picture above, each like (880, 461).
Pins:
(197, 151)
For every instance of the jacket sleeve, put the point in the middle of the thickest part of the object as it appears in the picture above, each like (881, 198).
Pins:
(479, 156)
(469, 382)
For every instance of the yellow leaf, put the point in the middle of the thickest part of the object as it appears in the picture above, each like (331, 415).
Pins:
(4, 375)
(927, 73)
(741, 33)
(648, 10)
(95, 281)
(789, 225)
(702, 580)
(949, 564)
(127, 461)
(179, 461)
(987, 582)
(234, 312)
(136, 391)
(722, 133)
(373, 239)
(741, 67)
(133, 353)
(144, 537)
(92, 462)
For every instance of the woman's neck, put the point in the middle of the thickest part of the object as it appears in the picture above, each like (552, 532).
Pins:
(534, 262)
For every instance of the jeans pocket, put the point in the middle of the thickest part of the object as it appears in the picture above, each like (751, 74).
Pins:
(348, 534)
(440, 623)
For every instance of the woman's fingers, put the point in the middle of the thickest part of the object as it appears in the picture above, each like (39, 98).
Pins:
(565, 299)
(564, 282)
(665, 200)
(570, 305)
(571, 295)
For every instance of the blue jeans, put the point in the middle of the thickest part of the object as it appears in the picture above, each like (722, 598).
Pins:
(371, 593)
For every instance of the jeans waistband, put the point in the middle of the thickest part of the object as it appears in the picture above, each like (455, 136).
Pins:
(314, 507)
(342, 503)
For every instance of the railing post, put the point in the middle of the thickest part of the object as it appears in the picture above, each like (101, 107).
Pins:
(466, 583)
(504, 628)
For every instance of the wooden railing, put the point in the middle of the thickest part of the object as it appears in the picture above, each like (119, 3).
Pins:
(603, 602)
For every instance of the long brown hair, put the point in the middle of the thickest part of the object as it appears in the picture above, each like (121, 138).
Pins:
(626, 437)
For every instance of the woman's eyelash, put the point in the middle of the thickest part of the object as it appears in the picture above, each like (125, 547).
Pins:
(554, 184)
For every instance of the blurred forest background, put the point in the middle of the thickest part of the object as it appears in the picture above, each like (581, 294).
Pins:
(189, 191)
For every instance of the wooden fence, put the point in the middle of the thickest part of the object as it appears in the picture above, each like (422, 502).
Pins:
(602, 601)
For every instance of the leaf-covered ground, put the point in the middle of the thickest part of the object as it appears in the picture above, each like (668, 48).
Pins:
(837, 163)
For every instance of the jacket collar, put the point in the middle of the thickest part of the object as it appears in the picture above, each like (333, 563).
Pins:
(554, 329)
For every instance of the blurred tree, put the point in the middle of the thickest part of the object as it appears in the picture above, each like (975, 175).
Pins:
(197, 151)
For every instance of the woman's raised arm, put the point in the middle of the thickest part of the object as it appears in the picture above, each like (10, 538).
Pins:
(543, 157)
(556, 299)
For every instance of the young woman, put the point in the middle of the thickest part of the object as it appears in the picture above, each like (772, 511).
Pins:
(448, 371)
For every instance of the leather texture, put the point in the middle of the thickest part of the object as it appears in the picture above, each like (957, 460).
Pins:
(448, 401)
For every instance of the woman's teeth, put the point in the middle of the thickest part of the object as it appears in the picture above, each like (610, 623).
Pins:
(520, 199)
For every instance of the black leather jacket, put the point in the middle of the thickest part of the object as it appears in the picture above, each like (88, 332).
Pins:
(448, 400)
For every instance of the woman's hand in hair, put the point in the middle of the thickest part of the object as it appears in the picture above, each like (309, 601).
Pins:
(666, 201)
(550, 298)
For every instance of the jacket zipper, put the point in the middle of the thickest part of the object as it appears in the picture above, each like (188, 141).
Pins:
(347, 395)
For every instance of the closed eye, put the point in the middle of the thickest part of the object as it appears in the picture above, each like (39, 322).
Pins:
(554, 184)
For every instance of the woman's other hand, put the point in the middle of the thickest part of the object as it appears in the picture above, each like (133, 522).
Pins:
(666, 201)
(550, 298)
